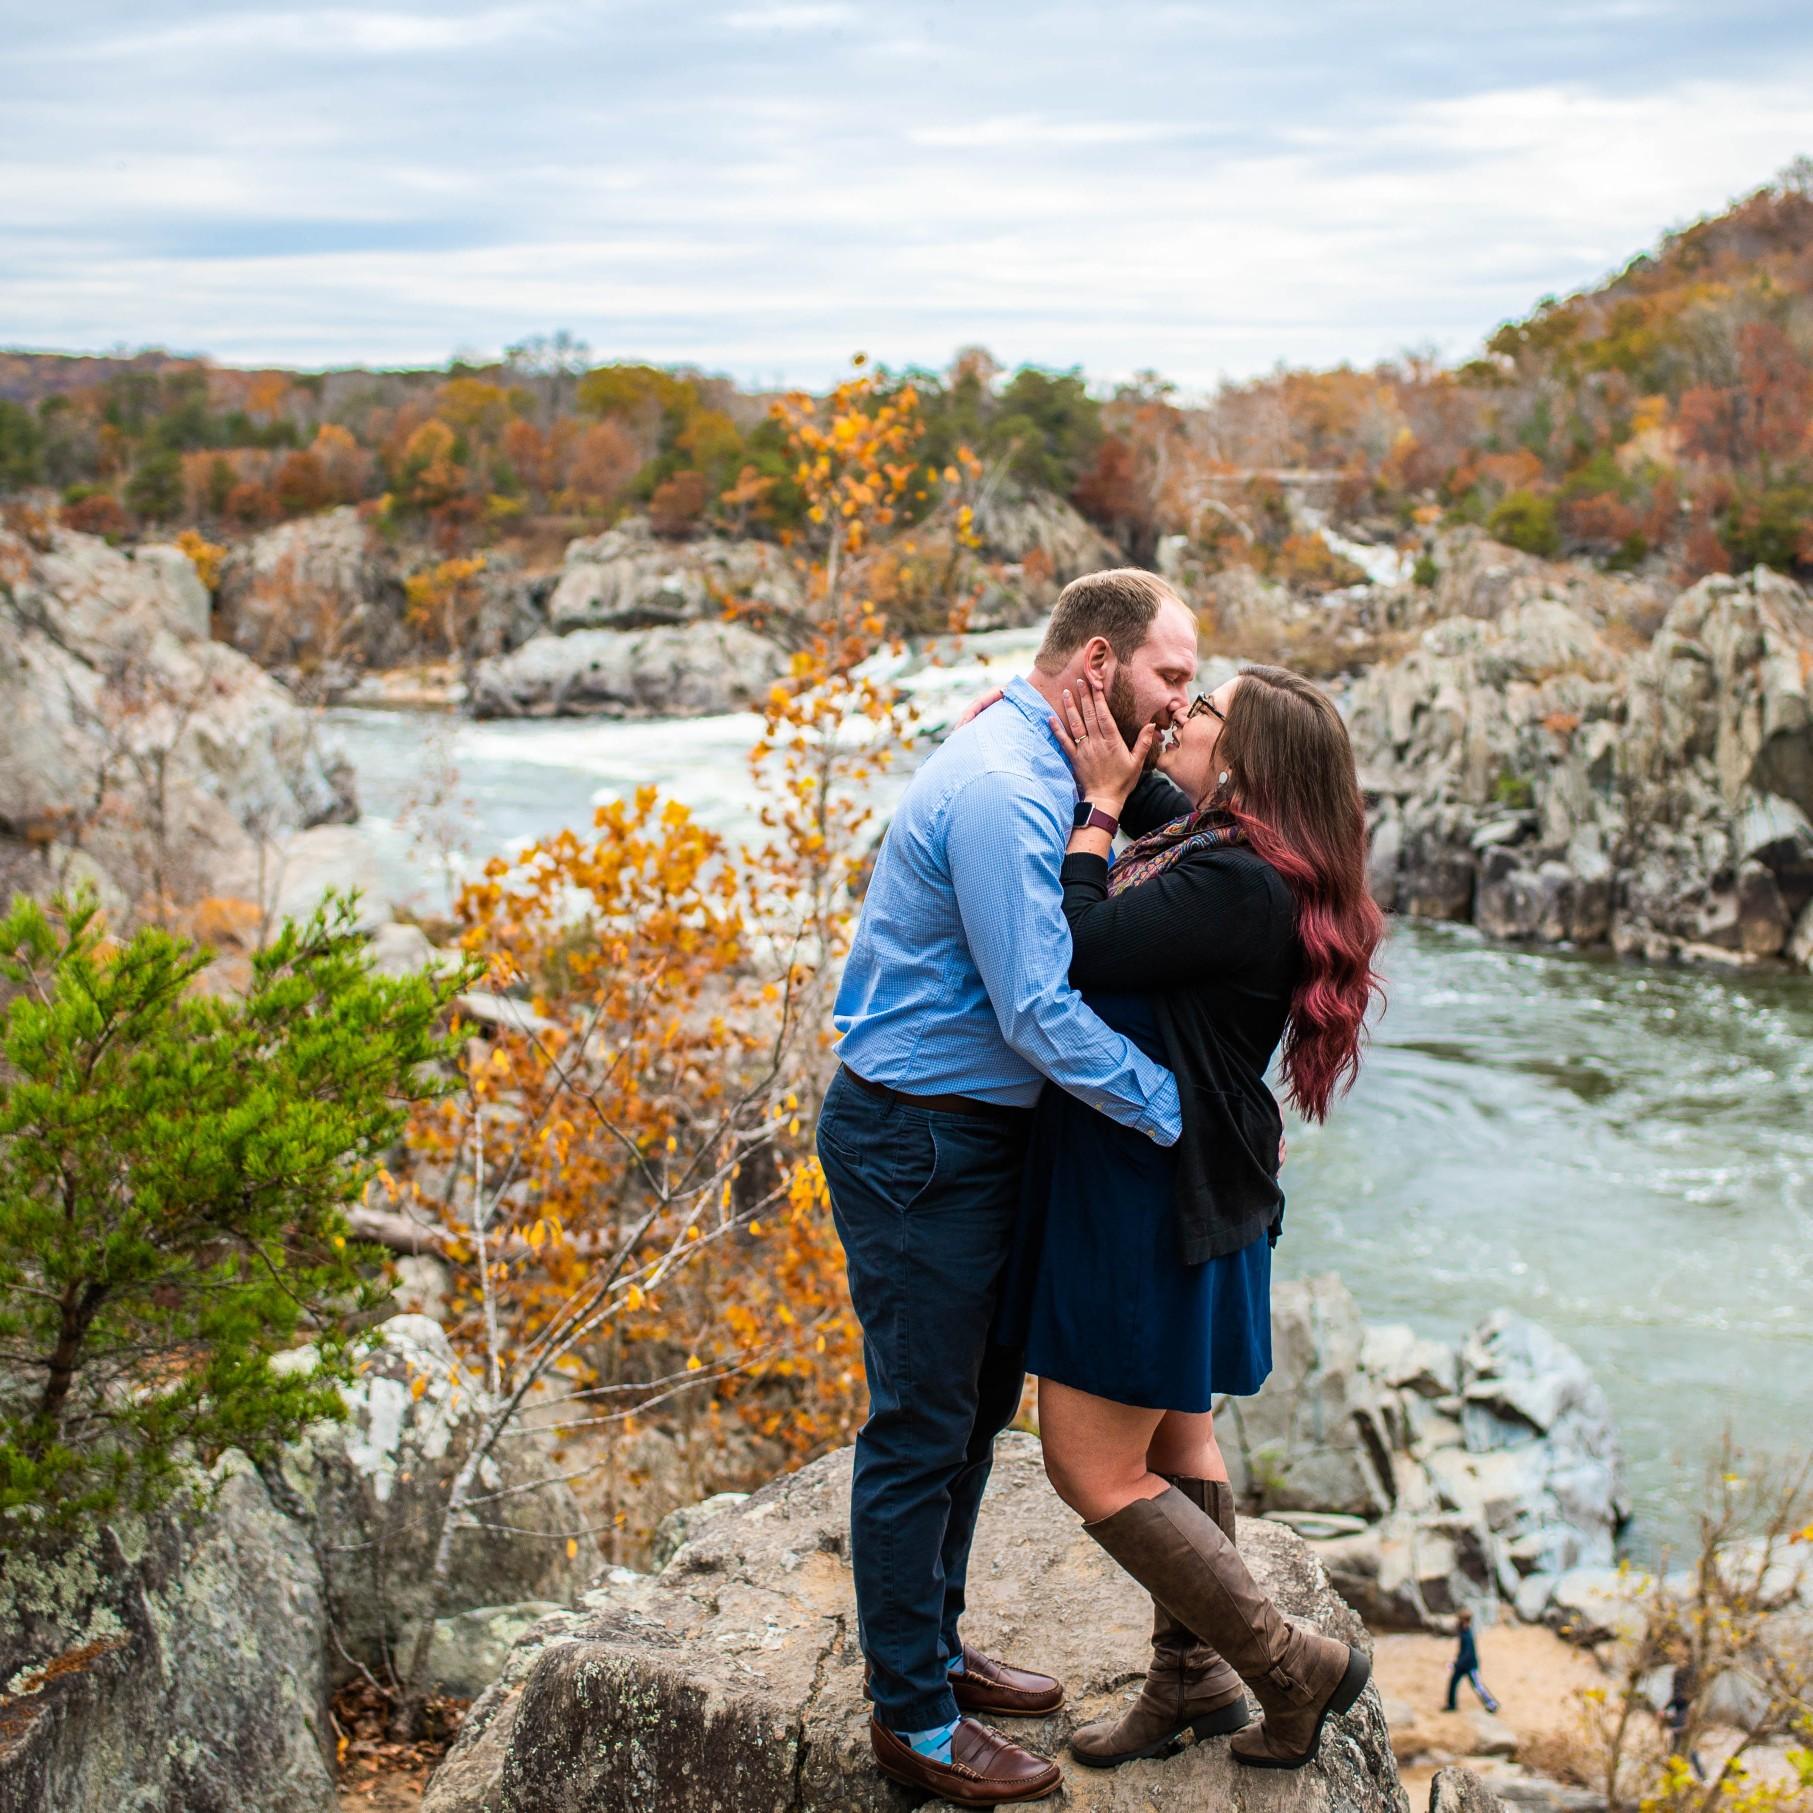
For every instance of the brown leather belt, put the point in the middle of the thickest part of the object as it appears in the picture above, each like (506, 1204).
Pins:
(939, 1104)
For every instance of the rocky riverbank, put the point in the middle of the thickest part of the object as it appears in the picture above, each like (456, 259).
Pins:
(1429, 1477)
(138, 754)
(1557, 753)
(189, 1659)
(1535, 771)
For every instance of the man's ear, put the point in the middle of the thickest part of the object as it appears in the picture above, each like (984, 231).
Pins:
(1098, 658)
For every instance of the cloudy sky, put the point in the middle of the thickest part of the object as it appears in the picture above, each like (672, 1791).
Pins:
(763, 186)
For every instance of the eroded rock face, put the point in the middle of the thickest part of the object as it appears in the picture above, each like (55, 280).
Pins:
(321, 599)
(1532, 773)
(682, 670)
(171, 1664)
(184, 1662)
(1454, 1476)
(316, 589)
(131, 740)
(630, 579)
(369, 1491)
(732, 1679)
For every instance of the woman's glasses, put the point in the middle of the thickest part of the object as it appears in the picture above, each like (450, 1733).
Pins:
(1204, 703)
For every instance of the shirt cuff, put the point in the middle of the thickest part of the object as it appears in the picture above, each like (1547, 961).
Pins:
(1162, 1121)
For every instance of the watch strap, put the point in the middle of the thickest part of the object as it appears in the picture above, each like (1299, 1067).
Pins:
(1090, 817)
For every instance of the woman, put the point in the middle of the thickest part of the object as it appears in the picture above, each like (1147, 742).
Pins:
(1141, 1290)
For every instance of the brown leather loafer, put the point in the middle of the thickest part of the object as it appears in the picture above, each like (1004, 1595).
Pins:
(985, 1770)
(986, 1685)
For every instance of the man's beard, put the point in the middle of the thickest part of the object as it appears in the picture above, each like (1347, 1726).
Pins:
(1125, 713)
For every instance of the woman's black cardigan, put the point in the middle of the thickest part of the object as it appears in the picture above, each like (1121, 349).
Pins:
(1213, 941)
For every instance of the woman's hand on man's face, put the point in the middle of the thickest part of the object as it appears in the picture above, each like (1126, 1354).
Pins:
(1106, 769)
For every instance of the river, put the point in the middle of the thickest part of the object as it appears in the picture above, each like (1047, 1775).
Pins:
(1621, 1151)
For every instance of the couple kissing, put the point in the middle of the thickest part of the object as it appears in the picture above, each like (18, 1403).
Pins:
(1051, 1149)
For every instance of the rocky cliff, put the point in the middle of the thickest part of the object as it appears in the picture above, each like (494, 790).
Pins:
(136, 753)
(1535, 773)
(185, 1660)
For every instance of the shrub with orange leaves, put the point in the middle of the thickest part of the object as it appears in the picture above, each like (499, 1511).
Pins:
(625, 1184)
(206, 555)
(445, 600)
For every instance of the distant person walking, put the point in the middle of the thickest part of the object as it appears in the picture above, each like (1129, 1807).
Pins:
(1466, 1668)
(1683, 1684)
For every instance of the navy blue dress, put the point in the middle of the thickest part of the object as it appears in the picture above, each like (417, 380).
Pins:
(1095, 1292)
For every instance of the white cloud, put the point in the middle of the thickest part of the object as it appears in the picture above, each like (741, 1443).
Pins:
(784, 17)
(1029, 131)
(386, 186)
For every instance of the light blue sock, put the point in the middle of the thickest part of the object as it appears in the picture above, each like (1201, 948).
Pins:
(955, 1665)
(935, 1743)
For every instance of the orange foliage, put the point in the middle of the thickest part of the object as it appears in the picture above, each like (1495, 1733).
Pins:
(678, 505)
(447, 599)
(207, 556)
(603, 461)
(648, 1101)
(301, 485)
(100, 513)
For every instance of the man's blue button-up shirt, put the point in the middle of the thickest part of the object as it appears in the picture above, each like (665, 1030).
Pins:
(957, 982)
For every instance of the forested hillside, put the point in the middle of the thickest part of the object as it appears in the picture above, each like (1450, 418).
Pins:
(1662, 418)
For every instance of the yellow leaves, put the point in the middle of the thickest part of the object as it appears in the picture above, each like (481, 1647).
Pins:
(418, 1386)
(633, 1298)
(694, 1363)
(572, 1549)
(205, 555)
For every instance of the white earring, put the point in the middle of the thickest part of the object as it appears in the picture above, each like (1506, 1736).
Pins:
(1224, 777)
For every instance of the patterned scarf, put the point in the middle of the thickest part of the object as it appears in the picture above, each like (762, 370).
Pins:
(1207, 828)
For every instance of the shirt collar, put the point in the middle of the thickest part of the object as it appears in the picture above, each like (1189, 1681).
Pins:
(1036, 709)
(1032, 703)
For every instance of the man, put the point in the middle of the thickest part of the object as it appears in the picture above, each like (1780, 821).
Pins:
(954, 1009)
(1466, 1667)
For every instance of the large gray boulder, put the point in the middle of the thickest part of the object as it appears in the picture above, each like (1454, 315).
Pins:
(1428, 1477)
(370, 1491)
(1542, 1458)
(1315, 1436)
(340, 857)
(175, 1663)
(629, 579)
(131, 741)
(676, 670)
(732, 1679)
(1531, 773)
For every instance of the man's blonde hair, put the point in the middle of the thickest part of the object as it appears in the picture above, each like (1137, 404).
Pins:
(1117, 604)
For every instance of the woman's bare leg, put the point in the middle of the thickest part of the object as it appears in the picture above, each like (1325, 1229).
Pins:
(1095, 1450)
(1184, 1447)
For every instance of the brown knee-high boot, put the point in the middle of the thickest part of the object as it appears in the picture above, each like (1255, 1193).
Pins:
(1299, 1677)
(1188, 1686)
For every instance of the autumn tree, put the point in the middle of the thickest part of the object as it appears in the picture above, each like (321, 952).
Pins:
(624, 1182)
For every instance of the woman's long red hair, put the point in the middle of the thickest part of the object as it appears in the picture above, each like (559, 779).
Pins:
(1294, 790)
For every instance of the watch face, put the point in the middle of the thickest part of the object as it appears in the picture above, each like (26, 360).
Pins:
(1079, 819)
